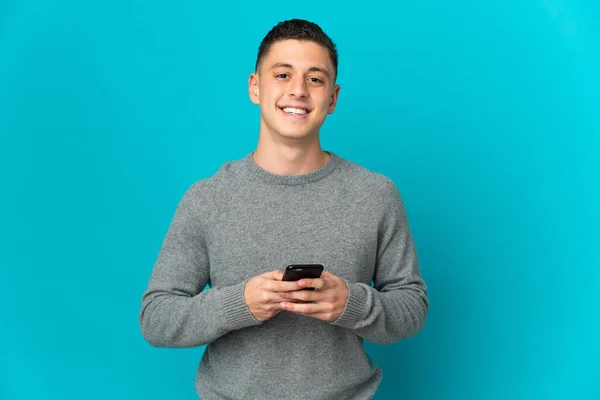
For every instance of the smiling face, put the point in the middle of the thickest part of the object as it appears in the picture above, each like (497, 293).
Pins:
(295, 88)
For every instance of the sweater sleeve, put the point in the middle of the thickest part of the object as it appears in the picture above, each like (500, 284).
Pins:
(176, 311)
(396, 306)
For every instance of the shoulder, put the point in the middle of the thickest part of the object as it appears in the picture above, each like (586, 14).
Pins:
(371, 189)
(207, 191)
(365, 180)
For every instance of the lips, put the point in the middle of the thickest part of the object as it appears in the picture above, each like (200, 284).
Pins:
(295, 114)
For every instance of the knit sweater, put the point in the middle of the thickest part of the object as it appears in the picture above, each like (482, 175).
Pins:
(244, 221)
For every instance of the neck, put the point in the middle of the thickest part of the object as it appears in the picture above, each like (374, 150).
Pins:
(283, 159)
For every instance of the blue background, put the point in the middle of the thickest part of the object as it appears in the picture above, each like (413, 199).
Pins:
(485, 114)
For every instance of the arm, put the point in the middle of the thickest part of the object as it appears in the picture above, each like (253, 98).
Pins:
(175, 311)
(396, 307)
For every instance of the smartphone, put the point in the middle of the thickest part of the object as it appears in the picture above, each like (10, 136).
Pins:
(295, 272)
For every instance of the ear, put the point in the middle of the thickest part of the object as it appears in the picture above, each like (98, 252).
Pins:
(253, 88)
(334, 98)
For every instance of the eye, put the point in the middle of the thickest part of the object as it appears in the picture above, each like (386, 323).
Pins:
(315, 80)
(282, 76)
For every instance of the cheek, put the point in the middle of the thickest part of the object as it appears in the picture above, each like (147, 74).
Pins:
(323, 108)
(323, 99)
(270, 92)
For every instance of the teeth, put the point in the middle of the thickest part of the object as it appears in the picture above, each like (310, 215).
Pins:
(292, 110)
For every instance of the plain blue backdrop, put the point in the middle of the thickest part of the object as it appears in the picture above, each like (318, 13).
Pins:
(485, 114)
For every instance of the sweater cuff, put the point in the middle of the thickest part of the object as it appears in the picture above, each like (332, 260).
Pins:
(237, 313)
(356, 306)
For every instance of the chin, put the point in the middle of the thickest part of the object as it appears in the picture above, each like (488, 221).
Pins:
(295, 134)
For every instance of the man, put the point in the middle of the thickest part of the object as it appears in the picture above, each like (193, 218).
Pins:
(288, 202)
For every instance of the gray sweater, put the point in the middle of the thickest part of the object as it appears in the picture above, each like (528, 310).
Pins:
(244, 221)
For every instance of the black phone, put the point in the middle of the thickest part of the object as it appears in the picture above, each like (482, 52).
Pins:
(295, 272)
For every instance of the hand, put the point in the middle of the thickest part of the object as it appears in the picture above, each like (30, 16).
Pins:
(262, 294)
(326, 303)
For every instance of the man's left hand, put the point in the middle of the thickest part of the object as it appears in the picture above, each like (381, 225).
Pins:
(327, 302)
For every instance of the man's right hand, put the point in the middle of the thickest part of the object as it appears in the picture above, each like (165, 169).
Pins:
(261, 294)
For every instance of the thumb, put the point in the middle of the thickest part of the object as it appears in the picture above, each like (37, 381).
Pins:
(326, 275)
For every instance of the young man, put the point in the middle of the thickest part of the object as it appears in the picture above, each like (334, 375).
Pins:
(288, 202)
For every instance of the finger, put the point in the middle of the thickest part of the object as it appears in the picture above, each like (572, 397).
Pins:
(272, 298)
(316, 283)
(275, 274)
(326, 275)
(281, 286)
(304, 295)
(306, 308)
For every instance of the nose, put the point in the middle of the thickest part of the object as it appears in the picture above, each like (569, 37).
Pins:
(297, 87)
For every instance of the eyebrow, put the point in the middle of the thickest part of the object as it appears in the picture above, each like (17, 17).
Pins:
(311, 69)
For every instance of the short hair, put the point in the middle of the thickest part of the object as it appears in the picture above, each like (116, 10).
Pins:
(298, 29)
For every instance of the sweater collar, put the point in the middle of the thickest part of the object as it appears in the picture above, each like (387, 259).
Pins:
(258, 172)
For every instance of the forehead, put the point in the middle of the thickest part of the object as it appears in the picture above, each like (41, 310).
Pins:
(300, 54)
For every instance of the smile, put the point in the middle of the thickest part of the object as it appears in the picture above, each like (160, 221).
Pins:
(295, 111)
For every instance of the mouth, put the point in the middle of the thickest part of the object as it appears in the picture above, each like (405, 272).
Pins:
(295, 112)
